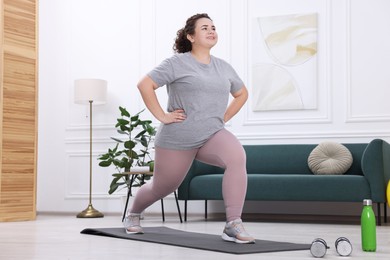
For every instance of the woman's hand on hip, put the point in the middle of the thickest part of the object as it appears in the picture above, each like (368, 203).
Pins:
(176, 116)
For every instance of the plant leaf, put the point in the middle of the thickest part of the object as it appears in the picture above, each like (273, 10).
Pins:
(134, 118)
(133, 154)
(105, 156)
(124, 112)
(140, 134)
(144, 141)
(123, 132)
(116, 140)
(129, 144)
(105, 163)
(122, 121)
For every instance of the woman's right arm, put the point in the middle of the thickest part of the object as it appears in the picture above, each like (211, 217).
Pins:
(147, 89)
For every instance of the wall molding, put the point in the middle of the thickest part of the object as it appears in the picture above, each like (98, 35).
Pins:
(350, 117)
(85, 127)
(247, 137)
(367, 118)
(71, 195)
(287, 120)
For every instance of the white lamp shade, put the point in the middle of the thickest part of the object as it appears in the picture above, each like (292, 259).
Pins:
(86, 90)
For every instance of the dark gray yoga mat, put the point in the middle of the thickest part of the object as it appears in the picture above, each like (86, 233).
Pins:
(174, 237)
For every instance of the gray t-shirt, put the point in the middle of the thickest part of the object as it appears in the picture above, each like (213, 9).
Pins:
(202, 91)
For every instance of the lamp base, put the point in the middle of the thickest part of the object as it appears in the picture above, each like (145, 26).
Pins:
(90, 212)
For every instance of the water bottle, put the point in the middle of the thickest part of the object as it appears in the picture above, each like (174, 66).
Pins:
(368, 227)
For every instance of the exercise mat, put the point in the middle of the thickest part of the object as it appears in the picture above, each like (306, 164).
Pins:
(174, 237)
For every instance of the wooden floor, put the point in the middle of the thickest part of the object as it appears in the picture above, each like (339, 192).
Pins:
(54, 236)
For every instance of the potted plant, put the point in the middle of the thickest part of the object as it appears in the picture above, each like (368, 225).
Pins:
(132, 150)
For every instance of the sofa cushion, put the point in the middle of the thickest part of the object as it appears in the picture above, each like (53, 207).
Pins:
(299, 187)
(288, 187)
(330, 158)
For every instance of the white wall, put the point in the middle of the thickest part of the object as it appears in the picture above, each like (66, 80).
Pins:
(120, 40)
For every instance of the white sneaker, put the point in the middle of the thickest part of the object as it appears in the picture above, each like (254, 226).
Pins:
(132, 224)
(234, 232)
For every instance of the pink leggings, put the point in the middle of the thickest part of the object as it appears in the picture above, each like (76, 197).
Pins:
(171, 166)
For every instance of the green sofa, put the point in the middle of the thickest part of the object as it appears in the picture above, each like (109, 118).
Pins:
(280, 172)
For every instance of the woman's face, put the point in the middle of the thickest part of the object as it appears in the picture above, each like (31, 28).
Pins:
(205, 34)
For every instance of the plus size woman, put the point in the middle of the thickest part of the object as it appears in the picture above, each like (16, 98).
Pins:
(192, 127)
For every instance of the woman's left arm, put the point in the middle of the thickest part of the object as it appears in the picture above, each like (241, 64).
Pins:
(239, 100)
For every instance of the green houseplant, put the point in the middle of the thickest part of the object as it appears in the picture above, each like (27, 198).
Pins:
(132, 150)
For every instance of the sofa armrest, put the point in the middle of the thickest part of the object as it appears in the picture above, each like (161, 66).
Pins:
(386, 161)
(376, 168)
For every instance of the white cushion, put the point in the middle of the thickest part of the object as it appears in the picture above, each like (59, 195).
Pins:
(330, 158)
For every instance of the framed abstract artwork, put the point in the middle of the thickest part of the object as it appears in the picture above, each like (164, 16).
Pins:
(284, 62)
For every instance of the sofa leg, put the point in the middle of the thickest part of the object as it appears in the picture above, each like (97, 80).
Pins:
(379, 214)
(162, 210)
(185, 211)
(205, 209)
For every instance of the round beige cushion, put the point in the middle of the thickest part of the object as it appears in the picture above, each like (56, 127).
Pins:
(330, 158)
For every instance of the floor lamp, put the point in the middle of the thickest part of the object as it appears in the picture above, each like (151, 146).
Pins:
(90, 91)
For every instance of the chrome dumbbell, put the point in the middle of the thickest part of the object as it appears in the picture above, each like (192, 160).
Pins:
(319, 247)
(343, 246)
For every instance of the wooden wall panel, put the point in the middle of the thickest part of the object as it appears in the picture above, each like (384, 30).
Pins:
(19, 112)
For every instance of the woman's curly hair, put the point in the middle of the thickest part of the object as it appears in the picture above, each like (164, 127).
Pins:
(182, 44)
